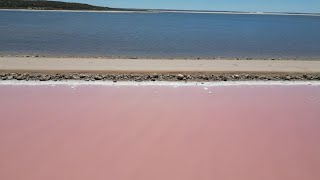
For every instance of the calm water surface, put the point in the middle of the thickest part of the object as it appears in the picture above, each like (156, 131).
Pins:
(159, 132)
(159, 34)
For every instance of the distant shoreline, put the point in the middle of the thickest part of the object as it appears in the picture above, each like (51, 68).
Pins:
(40, 55)
(165, 11)
(75, 11)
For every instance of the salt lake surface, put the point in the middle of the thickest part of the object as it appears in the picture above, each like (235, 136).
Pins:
(98, 132)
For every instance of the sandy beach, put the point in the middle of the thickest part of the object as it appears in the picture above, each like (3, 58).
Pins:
(34, 64)
(162, 69)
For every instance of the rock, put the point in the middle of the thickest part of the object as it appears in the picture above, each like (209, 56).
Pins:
(21, 77)
(97, 77)
(214, 77)
(288, 78)
(44, 78)
(82, 76)
(74, 76)
(31, 76)
(180, 76)
(262, 77)
(206, 78)
(155, 75)
(236, 76)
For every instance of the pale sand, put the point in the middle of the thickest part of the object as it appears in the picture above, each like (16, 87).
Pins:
(34, 64)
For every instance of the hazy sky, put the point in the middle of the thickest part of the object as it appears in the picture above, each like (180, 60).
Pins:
(236, 5)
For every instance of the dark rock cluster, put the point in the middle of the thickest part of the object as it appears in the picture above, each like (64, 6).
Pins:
(201, 77)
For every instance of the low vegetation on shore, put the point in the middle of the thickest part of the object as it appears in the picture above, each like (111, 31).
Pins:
(48, 5)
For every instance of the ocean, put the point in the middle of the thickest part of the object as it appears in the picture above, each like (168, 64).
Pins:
(159, 34)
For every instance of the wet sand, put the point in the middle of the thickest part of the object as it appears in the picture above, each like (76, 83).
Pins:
(243, 132)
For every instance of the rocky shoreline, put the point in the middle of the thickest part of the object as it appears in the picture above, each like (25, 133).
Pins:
(139, 77)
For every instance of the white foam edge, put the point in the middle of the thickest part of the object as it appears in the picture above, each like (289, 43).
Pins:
(156, 83)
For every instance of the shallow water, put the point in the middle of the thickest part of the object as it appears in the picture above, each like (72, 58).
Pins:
(159, 34)
(159, 132)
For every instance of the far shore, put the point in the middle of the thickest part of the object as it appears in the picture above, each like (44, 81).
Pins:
(167, 11)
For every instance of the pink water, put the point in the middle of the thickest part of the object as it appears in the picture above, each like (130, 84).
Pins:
(159, 133)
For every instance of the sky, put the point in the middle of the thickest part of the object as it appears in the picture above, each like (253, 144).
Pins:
(308, 6)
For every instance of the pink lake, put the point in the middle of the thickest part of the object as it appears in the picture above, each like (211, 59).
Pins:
(96, 132)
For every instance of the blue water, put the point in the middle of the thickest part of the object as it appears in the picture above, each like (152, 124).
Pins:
(158, 34)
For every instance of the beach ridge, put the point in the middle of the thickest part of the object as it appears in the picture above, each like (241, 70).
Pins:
(91, 69)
